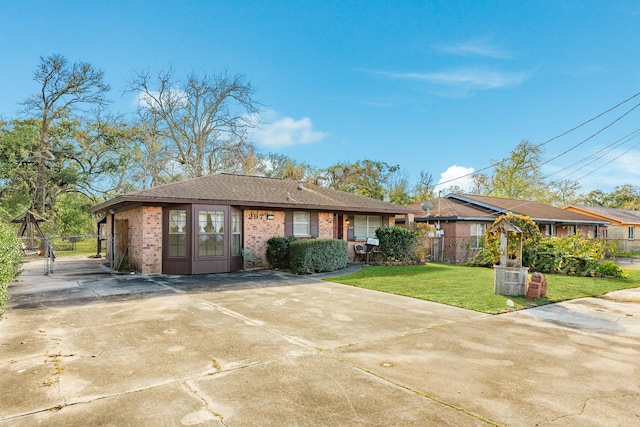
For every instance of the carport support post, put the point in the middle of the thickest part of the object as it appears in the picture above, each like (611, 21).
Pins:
(111, 249)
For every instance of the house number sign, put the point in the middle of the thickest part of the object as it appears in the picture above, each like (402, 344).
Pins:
(262, 216)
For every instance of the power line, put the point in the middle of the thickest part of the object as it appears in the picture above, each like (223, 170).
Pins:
(589, 137)
(597, 155)
(599, 167)
(561, 135)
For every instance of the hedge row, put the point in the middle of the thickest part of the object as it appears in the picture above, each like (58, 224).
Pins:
(317, 255)
(10, 259)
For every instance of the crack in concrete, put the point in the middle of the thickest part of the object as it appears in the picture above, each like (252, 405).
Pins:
(192, 390)
(417, 392)
(324, 351)
(584, 407)
(116, 395)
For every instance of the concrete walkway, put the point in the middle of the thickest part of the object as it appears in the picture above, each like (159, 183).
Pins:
(269, 348)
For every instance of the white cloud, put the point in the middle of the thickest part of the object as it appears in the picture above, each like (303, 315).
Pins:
(283, 132)
(455, 175)
(474, 48)
(469, 78)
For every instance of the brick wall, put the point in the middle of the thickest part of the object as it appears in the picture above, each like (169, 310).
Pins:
(145, 238)
(325, 225)
(258, 229)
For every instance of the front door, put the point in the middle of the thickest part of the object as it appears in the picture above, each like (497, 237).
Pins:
(211, 239)
(176, 248)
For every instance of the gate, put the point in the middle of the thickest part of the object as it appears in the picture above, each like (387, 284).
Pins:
(86, 253)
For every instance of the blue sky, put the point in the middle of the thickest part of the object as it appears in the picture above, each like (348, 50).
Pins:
(444, 87)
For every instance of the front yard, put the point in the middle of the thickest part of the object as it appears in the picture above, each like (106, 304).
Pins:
(472, 287)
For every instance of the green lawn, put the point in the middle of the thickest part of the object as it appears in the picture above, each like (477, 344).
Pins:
(472, 287)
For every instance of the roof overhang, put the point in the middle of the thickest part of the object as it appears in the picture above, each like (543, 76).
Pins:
(126, 202)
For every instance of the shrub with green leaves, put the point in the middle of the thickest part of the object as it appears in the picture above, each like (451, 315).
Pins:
(484, 258)
(397, 243)
(278, 251)
(570, 255)
(309, 256)
(10, 259)
(609, 269)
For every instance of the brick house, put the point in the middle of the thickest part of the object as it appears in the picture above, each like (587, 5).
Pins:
(622, 228)
(462, 220)
(205, 225)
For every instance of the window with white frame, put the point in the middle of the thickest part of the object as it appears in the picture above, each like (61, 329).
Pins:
(210, 233)
(477, 235)
(365, 226)
(236, 232)
(177, 233)
(631, 232)
(571, 230)
(301, 224)
(549, 230)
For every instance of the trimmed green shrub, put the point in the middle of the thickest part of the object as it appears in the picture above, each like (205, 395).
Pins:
(610, 269)
(278, 251)
(396, 243)
(10, 259)
(317, 255)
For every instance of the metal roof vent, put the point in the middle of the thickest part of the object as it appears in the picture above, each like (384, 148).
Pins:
(300, 185)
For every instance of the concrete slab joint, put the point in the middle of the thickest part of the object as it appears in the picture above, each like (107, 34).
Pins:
(269, 348)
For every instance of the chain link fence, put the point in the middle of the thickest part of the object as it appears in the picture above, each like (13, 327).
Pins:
(64, 254)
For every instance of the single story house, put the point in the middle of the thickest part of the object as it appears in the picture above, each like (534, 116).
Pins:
(622, 228)
(462, 219)
(206, 224)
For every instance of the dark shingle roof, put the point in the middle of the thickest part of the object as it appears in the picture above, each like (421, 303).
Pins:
(472, 207)
(253, 191)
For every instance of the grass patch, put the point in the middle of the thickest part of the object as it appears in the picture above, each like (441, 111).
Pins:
(472, 287)
(80, 246)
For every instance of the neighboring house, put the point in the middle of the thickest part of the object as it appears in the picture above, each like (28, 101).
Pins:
(206, 224)
(624, 228)
(462, 220)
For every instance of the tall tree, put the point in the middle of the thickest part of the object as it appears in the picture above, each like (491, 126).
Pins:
(398, 188)
(18, 153)
(623, 197)
(518, 176)
(102, 152)
(594, 198)
(280, 166)
(481, 184)
(65, 88)
(154, 162)
(204, 119)
(423, 190)
(367, 177)
(564, 192)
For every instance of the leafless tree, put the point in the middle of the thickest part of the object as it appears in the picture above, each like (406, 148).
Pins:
(204, 119)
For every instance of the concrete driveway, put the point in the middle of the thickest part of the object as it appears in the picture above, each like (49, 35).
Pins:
(268, 348)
